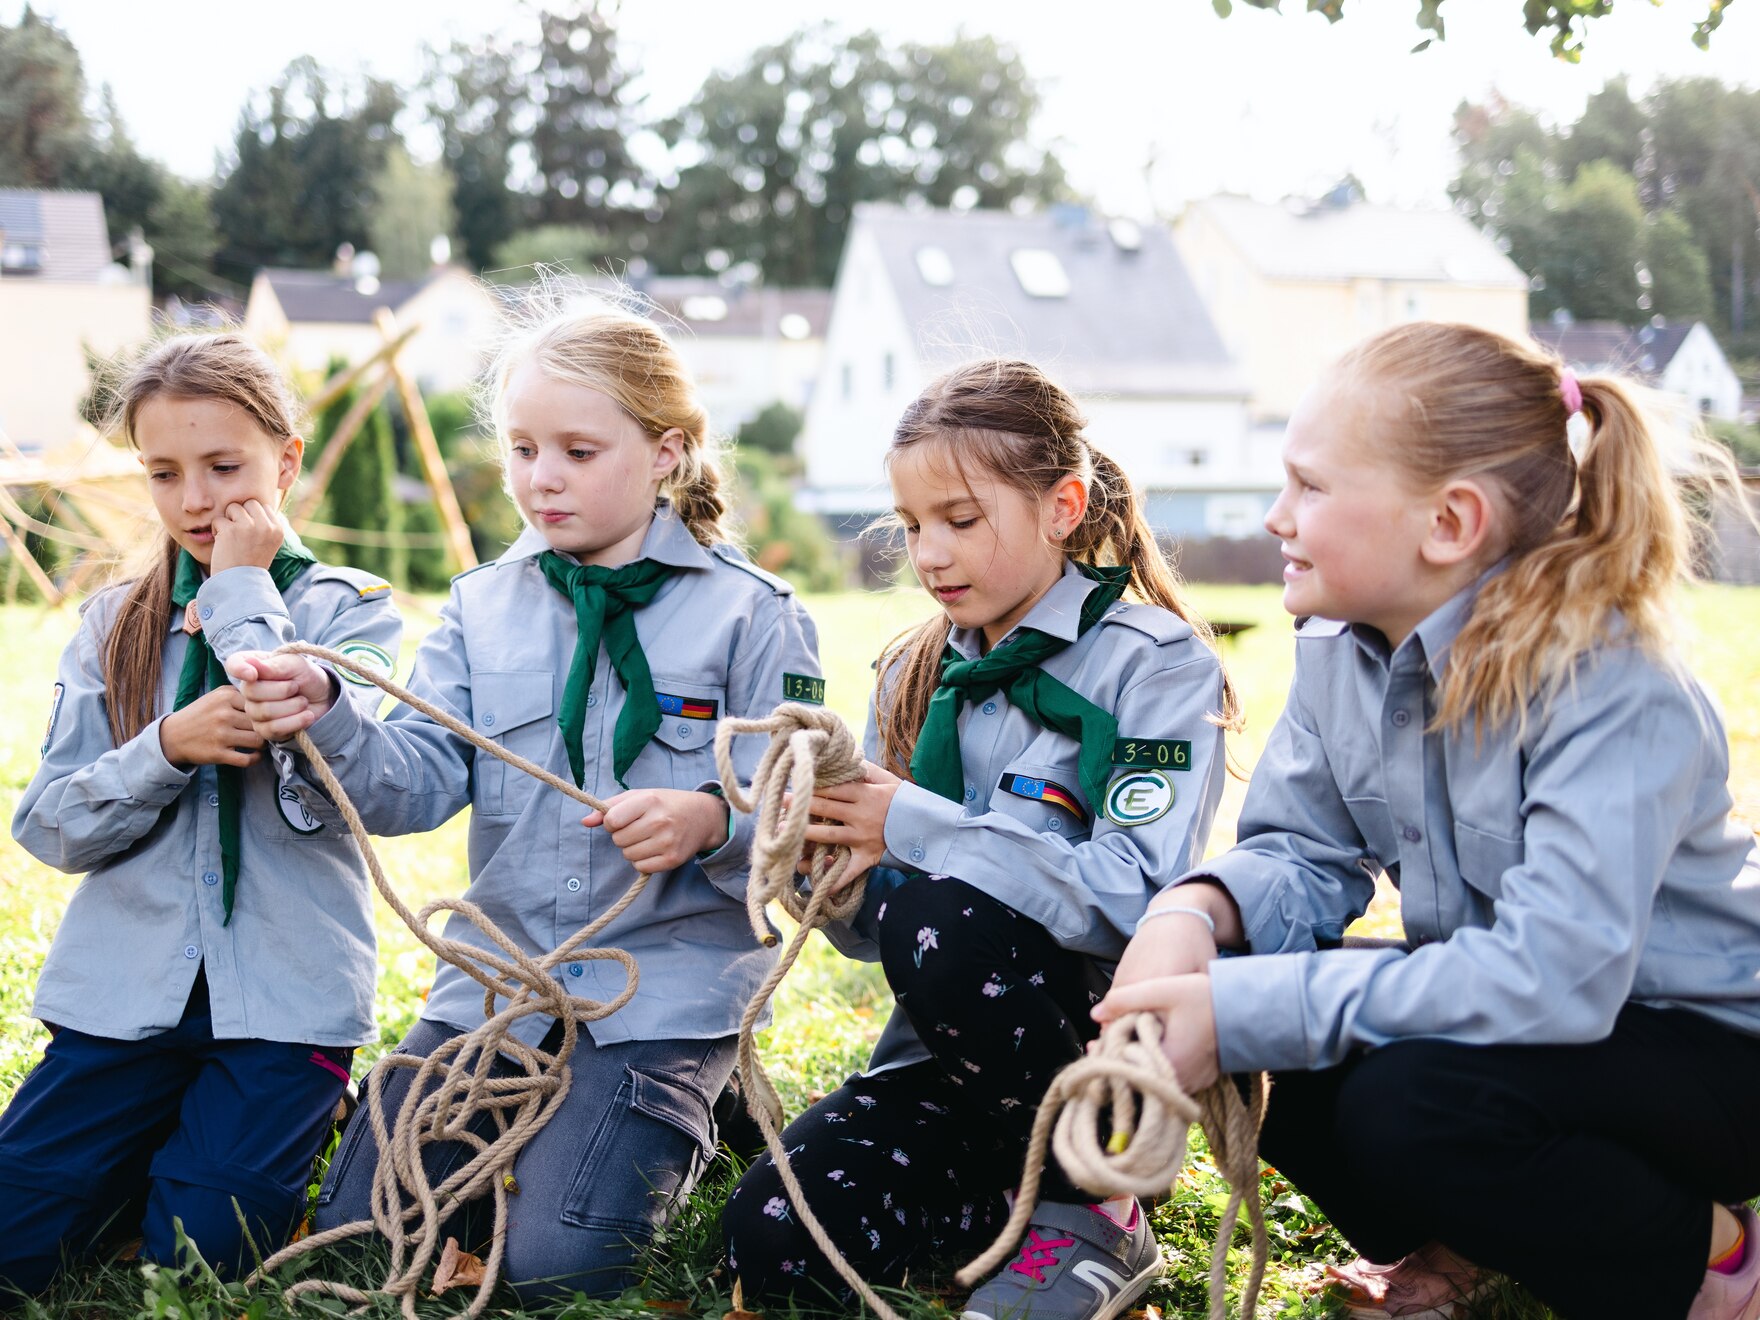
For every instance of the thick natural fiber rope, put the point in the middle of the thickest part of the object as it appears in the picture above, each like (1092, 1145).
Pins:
(1128, 1084)
(810, 747)
(406, 1207)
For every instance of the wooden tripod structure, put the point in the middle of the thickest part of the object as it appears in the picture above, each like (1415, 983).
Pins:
(93, 496)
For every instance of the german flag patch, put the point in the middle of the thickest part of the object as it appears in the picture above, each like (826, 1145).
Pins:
(690, 708)
(1042, 790)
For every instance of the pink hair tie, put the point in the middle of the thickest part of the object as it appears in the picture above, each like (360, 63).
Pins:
(1572, 392)
(1576, 426)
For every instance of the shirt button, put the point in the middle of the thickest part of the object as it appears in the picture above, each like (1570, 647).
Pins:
(1401, 719)
(213, 799)
(207, 611)
(989, 707)
(971, 793)
(574, 969)
(574, 884)
(592, 700)
(489, 720)
(190, 951)
(916, 854)
(1411, 834)
(1056, 824)
(684, 731)
(209, 878)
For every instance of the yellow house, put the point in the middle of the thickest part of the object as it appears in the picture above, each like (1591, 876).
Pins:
(1291, 286)
(60, 295)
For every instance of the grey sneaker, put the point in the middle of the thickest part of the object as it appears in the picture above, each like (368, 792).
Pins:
(1076, 1262)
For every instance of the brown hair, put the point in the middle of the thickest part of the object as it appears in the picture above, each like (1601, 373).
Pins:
(1586, 540)
(626, 358)
(227, 367)
(1008, 419)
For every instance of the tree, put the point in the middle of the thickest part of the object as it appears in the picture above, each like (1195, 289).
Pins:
(774, 156)
(477, 102)
(1566, 20)
(773, 430)
(361, 494)
(44, 133)
(586, 115)
(578, 247)
(412, 207)
(300, 181)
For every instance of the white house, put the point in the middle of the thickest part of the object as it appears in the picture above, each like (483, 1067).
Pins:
(60, 294)
(1106, 308)
(1680, 358)
(746, 347)
(312, 316)
(1292, 285)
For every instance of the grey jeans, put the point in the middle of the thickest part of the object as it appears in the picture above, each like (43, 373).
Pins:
(628, 1143)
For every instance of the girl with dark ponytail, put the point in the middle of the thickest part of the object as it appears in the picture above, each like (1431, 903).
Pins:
(1044, 753)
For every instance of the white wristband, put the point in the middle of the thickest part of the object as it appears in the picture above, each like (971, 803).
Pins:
(1170, 909)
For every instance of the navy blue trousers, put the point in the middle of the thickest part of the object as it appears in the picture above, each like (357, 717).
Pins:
(110, 1139)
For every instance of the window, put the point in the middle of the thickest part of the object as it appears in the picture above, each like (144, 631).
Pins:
(704, 307)
(886, 372)
(935, 266)
(1040, 272)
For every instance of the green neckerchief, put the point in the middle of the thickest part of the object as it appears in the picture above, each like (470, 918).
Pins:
(1013, 669)
(605, 602)
(202, 670)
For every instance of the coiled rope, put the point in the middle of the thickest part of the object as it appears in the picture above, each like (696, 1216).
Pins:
(408, 1209)
(1127, 1083)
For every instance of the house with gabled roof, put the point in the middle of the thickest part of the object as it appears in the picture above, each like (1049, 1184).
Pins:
(313, 316)
(62, 294)
(1292, 285)
(1105, 307)
(1680, 358)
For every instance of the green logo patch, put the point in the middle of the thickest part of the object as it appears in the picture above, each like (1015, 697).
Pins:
(803, 687)
(368, 655)
(1153, 753)
(1138, 797)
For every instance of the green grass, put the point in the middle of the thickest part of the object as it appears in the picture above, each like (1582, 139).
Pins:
(829, 1011)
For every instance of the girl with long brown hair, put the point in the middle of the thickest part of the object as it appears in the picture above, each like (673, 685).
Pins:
(214, 971)
(1553, 1077)
(1043, 753)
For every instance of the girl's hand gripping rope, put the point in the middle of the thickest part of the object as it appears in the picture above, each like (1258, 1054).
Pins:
(853, 816)
(1188, 1022)
(658, 829)
(283, 694)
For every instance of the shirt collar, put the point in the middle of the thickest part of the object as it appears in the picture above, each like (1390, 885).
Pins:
(1434, 636)
(1058, 613)
(667, 541)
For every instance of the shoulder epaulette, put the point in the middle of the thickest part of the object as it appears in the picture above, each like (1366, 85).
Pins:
(1163, 627)
(365, 585)
(731, 555)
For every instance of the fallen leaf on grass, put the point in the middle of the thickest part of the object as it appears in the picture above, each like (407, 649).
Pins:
(739, 1311)
(677, 1308)
(457, 1269)
(1145, 1313)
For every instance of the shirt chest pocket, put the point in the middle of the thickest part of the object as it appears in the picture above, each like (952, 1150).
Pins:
(1043, 798)
(514, 707)
(1483, 858)
(683, 751)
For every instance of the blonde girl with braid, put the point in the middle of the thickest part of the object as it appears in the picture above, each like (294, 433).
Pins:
(1553, 1076)
(1044, 753)
(214, 971)
(605, 644)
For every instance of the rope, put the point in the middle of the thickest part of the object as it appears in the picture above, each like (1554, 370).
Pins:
(407, 1208)
(810, 747)
(1128, 1081)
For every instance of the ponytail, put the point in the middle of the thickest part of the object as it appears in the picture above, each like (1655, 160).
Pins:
(1011, 421)
(134, 650)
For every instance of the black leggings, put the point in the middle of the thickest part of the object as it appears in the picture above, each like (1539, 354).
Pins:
(1584, 1172)
(911, 1164)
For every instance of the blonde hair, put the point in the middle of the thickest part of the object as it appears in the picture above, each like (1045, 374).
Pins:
(226, 367)
(1609, 535)
(625, 357)
(1007, 419)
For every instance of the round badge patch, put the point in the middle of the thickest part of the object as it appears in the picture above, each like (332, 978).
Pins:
(368, 656)
(294, 812)
(1139, 797)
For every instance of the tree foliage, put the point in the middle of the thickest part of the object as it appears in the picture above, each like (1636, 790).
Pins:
(775, 155)
(1640, 208)
(1566, 21)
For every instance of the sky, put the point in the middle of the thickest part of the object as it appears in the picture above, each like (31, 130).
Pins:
(1150, 103)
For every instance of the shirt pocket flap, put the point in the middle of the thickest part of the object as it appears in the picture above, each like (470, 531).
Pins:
(1484, 857)
(1043, 796)
(507, 699)
(689, 713)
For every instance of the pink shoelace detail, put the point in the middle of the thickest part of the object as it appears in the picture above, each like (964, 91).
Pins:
(1039, 1254)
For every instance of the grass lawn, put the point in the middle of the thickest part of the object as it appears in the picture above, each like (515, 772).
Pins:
(830, 1010)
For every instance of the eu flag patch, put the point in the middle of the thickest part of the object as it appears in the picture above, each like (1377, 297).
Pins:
(1042, 790)
(691, 708)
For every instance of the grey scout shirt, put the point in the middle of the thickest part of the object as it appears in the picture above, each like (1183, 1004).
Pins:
(1544, 880)
(1070, 868)
(298, 961)
(720, 638)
